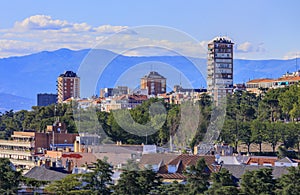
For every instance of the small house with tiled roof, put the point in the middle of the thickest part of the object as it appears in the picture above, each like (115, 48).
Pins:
(175, 168)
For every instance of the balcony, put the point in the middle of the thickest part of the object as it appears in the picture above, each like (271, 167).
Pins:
(17, 162)
(16, 152)
(16, 143)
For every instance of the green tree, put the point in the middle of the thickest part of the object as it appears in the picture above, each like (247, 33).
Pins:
(273, 134)
(71, 184)
(137, 182)
(99, 180)
(197, 177)
(9, 178)
(258, 182)
(33, 183)
(288, 99)
(222, 183)
(174, 188)
(258, 130)
(289, 184)
(245, 134)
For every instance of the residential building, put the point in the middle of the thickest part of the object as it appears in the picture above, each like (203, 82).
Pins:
(45, 99)
(286, 162)
(154, 83)
(123, 102)
(174, 170)
(258, 85)
(286, 81)
(68, 86)
(181, 94)
(23, 148)
(156, 161)
(238, 171)
(110, 92)
(220, 68)
(262, 160)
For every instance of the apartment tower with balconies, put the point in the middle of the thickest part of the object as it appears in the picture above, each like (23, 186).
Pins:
(220, 68)
(68, 86)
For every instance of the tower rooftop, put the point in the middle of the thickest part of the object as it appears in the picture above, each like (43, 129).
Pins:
(154, 75)
(68, 74)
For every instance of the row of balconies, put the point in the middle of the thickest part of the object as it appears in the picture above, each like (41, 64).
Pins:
(17, 152)
(16, 143)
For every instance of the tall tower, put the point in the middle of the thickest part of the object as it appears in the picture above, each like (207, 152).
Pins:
(154, 83)
(220, 68)
(68, 86)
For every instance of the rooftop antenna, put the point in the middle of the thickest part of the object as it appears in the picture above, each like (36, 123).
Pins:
(151, 66)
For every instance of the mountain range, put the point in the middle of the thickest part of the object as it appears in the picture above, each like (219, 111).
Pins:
(21, 78)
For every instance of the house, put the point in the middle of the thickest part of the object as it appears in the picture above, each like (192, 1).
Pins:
(123, 102)
(173, 171)
(286, 162)
(255, 85)
(238, 170)
(45, 174)
(24, 147)
(262, 160)
(229, 160)
(156, 161)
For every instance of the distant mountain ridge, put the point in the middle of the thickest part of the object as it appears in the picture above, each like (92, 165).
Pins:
(25, 76)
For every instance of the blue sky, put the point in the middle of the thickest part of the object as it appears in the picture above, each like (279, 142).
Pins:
(261, 29)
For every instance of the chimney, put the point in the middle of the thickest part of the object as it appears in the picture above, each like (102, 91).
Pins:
(47, 163)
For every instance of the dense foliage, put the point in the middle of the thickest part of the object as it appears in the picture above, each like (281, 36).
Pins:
(199, 181)
(9, 178)
(255, 182)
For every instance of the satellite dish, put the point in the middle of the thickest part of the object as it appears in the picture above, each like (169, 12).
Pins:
(217, 156)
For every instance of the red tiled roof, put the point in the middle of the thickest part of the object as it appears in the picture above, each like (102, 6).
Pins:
(263, 80)
(296, 78)
(188, 160)
(260, 160)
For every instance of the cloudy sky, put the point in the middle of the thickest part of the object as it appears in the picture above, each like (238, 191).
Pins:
(260, 29)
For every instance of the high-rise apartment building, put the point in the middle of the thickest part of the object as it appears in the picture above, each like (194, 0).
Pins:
(154, 83)
(220, 68)
(68, 86)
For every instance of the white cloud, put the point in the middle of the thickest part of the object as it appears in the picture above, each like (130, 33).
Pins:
(41, 22)
(113, 29)
(42, 32)
(244, 47)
